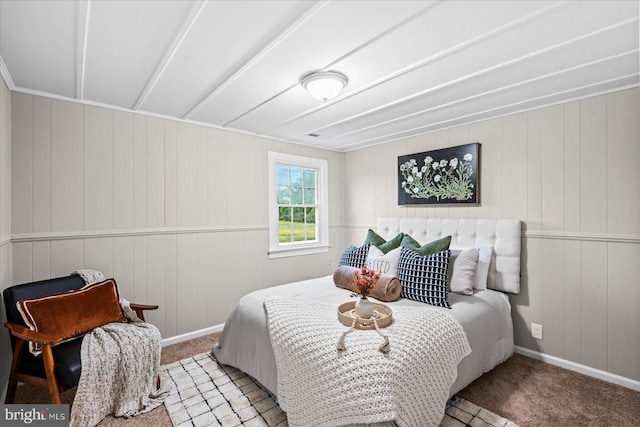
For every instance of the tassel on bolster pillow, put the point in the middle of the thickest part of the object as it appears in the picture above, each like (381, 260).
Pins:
(387, 288)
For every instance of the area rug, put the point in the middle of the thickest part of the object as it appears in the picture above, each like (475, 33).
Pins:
(206, 393)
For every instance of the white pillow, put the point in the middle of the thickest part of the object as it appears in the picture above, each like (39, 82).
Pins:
(462, 270)
(387, 263)
(485, 253)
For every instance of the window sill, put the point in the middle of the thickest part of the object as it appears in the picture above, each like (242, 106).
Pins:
(297, 251)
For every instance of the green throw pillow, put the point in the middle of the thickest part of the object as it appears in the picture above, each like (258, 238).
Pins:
(373, 238)
(428, 249)
(385, 246)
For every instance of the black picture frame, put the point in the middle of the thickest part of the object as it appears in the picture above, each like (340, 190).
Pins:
(440, 177)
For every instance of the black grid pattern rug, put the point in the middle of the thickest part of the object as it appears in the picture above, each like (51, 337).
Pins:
(206, 393)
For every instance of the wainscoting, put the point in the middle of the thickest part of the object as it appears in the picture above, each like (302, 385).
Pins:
(195, 275)
(569, 172)
(176, 212)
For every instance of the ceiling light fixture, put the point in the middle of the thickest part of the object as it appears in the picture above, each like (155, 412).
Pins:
(324, 85)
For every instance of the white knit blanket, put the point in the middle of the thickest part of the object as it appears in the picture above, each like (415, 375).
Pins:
(120, 363)
(320, 386)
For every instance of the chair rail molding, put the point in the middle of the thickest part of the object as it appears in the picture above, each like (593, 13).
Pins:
(554, 235)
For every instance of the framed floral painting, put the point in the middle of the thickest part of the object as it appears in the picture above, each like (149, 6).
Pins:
(444, 176)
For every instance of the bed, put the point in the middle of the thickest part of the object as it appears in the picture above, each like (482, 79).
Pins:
(485, 316)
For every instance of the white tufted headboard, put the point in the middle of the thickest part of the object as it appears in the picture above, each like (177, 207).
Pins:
(501, 234)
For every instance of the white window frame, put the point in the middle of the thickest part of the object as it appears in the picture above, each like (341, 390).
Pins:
(280, 250)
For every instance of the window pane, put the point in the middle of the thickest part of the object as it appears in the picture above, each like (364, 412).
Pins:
(285, 233)
(283, 175)
(309, 178)
(310, 215)
(284, 214)
(296, 195)
(296, 176)
(309, 196)
(311, 232)
(298, 215)
(283, 195)
(298, 233)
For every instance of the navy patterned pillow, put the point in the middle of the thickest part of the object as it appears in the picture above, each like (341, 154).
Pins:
(354, 257)
(424, 278)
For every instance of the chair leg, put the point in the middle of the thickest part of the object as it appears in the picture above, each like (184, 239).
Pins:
(15, 364)
(49, 368)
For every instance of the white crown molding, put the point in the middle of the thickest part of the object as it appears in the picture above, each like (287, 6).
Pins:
(472, 97)
(4, 72)
(161, 116)
(440, 126)
(493, 113)
(576, 367)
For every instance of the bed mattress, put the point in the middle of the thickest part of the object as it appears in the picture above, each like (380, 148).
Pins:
(245, 343)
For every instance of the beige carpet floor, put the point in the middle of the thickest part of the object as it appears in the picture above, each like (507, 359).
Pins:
(524, 390)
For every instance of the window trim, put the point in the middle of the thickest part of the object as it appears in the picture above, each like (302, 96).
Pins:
(276, 250)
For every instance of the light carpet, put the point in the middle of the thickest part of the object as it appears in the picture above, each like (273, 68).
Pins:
(206, 393)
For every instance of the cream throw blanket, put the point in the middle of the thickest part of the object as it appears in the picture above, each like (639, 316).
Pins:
(120, 363)
(320, 386)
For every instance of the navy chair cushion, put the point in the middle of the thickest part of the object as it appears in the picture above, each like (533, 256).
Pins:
(68, 365)
(41, 288)
(66, 355)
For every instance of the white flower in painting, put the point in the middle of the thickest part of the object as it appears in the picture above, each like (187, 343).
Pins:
(404, 184)
(437, 178)
(435, 165)
(419, 175)
(409, 179)
(454, 162)
(414, 170)
(443, 163)
(415, 190)
(424, 169)
(468, 157)
(428, 159)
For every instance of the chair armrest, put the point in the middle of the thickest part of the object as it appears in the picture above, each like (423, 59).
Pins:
(135, 306)
(27, 334)
(140, 308)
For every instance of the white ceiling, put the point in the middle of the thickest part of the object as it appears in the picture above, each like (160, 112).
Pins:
(413, 66)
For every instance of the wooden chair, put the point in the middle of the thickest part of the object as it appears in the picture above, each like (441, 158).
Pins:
(59, 366)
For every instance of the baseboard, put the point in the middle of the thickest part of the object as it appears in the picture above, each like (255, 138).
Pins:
(191, 335)
(576, 367)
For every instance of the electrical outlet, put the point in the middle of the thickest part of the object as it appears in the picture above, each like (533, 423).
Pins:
(536, 331)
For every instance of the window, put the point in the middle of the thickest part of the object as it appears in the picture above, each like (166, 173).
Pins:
(298, 211)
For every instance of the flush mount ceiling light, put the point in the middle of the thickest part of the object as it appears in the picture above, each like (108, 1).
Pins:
(324, 85)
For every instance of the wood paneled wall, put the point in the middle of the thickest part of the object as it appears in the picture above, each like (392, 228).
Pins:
(5, 225)
(570, 173)
(176, 212)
